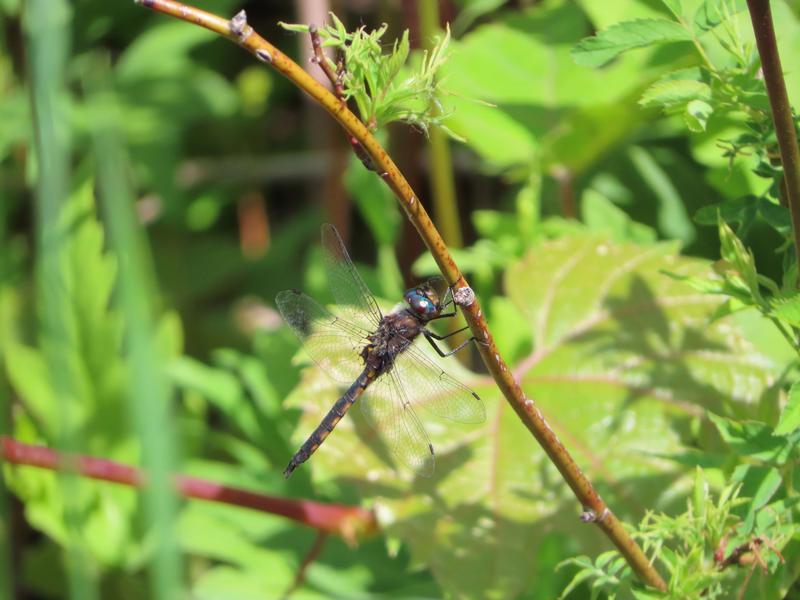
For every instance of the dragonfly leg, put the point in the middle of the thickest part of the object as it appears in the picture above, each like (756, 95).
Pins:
(436, 336)
(432, 341)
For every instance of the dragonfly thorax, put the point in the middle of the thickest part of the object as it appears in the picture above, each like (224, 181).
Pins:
(395, 333)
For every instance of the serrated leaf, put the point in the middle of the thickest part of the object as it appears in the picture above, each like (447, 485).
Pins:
(620, 350)
(790, 415)
(734, 252)
(672, 92)
(610, 43)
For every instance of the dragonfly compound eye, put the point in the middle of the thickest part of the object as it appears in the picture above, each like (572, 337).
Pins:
(420, 303)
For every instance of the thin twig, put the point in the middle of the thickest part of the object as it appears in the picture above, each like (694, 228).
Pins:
(337, 83)
(761, 16)
(347, 521)
(525, 408)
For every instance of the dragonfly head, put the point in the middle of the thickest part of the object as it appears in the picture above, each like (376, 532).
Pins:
(424, 302)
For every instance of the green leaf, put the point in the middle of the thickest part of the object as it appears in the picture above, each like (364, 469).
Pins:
(712, 12)
(697, 115)
(160, 51)
(674, 6)
(669, 93)
(610, 43)
(787, 309)
(578, 578)
(776, 215)
(742, 210)
(789, 421)
(761, 484)
(542, 108)
(741, 259)
(755, 439)
(601, 216)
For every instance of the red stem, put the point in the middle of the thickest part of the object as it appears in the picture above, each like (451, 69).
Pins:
(349, 522)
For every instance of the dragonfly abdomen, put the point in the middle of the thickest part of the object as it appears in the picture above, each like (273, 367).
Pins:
(335, 414)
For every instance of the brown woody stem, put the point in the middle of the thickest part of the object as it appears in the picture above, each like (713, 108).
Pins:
(525, 408)
(761, 16)
(347, 521)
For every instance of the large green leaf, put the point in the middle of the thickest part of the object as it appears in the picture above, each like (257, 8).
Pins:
(523, 66)
(624, 358)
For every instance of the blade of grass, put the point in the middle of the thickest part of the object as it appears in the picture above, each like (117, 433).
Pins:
(47, 37)
(149, 397)
(6, 534)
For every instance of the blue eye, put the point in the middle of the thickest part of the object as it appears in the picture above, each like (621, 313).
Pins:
(420, 303)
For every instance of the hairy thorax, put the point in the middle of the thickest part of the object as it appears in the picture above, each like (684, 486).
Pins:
(396, 332)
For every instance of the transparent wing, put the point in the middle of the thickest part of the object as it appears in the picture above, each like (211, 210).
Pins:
(437, 391)
(353, 298)
(333, 343)
(389, 412)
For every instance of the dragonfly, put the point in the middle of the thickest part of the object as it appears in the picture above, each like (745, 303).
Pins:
(380, 358)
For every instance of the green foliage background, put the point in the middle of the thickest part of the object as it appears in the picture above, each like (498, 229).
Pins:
(137, 321)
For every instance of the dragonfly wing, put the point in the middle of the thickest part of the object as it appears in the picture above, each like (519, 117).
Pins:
(352, 295)
(333, 343)
(389, 412)
(437, 391)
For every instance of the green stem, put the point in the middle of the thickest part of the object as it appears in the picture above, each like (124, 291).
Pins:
(761, 17)
(47, 31)
(445, 204)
